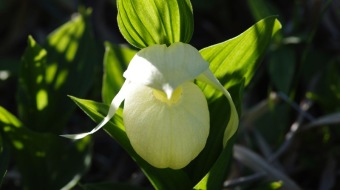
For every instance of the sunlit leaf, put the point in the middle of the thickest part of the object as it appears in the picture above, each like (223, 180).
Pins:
(32, 93)
(160, 178)
(116, 59)
(234, 63)
(63, 65)
(264, 8)
(148, 22)
(238, 58)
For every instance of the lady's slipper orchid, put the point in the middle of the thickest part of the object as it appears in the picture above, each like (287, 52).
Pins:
(166, 115)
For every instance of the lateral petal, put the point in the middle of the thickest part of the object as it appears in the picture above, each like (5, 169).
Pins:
(208, 77)
(117, 100)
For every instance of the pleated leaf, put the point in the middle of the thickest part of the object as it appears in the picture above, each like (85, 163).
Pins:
(148, 22)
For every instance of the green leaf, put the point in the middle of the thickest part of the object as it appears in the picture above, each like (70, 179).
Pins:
(233, 62)
(33, 93)
(110, 186)
(160, 178)
(148, 22)
(45, 161)
(4, 157)
(63, 65)
(238, 58)
(116, 59)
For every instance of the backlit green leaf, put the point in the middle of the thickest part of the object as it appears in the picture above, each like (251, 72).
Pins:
(148, 22)
(238, 58)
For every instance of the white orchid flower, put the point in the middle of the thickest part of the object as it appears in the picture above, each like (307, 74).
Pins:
(165, 114)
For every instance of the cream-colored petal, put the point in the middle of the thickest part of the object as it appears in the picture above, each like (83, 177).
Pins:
(117, 100)
(232, 126)
(164, 68)
(167, 133)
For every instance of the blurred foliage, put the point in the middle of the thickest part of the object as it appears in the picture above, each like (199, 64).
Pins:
(56, 163)
(47, 74)
(301, 69)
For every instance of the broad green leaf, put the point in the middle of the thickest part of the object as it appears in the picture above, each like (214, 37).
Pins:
(45, 161)
(33, 93)
(116, 59)
(63, 65)
(110, 186)
(233, 62)
(160, 178)
(238, 58)
(4, 157)
(148, 22)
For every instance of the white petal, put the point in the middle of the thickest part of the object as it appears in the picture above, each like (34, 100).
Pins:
(117, 100)
(167, 133)
(164, 68)
(232, 126)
